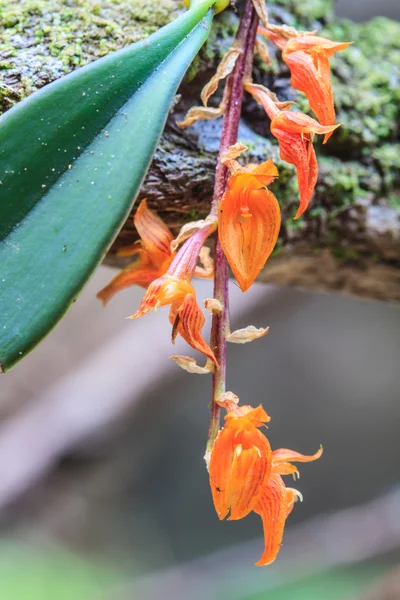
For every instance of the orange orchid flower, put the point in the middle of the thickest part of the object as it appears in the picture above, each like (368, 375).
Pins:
(294, 132)
(245, 475)
(240, 462)
(249, 220)
(174, 288)
(307, 57)
(153, 254)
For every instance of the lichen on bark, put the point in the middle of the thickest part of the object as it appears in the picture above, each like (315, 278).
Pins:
(41, 40)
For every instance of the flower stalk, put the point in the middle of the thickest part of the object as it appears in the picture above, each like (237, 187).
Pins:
(245, 41)
(245, 473)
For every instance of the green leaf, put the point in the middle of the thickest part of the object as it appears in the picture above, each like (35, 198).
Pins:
(72, 159)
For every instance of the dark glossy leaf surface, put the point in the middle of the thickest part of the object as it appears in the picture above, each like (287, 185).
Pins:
(72, 158)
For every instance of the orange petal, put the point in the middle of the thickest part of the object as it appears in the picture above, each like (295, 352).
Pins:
(220, 471)
(326, 114)
(266, 172)
(247, 475)
(248, 238)
(272, 505)
(291, 497)
(189, 323)
(282, 458)
(298, 150)
(312, 177)
(308, 60)
(164, 290)
(262, 96)
(256, 416)
(287, 469)
(317, 87)
(310, 42)
(130, 249)
(251, 468)
(155, 235)
(297, 122)
(139, 273)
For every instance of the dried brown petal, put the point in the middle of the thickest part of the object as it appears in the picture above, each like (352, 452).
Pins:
(190, 228)
(201, 113)
(225, 67)
(262, 12)
(233, 151)
(227, 397)
(286, 32)
(190, 365)
(213, 306)
(262, 51)
(255, 86)
(248, 334)
(228, 157)
(207, 270)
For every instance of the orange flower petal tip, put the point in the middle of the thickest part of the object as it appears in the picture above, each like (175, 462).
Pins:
(283, 457)
(139, 273)
(329, 133)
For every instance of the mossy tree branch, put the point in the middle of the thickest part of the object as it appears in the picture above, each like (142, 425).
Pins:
(350, 237)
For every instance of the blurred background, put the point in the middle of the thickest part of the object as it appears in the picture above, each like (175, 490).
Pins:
(103, 489)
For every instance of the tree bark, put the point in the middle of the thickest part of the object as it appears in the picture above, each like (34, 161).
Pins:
(349, 239)
(356, 252)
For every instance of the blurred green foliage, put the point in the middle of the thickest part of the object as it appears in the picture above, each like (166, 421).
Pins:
(333, 585)
(51, 573)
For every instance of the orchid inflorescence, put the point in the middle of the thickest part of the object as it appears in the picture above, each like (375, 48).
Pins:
(245, 474)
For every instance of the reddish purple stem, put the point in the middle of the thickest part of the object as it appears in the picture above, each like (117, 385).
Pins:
(245, 40)
(185, 261)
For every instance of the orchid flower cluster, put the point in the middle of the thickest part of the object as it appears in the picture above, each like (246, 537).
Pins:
(245, 474)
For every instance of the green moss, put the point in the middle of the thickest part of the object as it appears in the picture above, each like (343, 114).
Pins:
(345, 254)
(278, 248)
(365, 77)
(394, 200)
(303, 13)
(366, 82)
(387, 159)
(343, 183)
(43, 39)
(195, 215)
(220, 40)
(361, 163)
